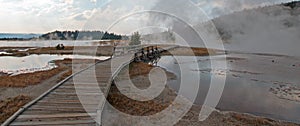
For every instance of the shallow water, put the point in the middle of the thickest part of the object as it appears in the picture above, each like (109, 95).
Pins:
(52, 43)
(32, 63)
(6, 53)
(249, 79)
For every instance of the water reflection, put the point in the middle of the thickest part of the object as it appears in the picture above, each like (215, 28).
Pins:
(53, 43)
(248, 82)
(6, 53)
(17, 65)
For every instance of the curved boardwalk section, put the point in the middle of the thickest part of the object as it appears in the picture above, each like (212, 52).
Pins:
(77, 100)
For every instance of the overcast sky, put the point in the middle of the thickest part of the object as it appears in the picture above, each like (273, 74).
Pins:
(40, 16)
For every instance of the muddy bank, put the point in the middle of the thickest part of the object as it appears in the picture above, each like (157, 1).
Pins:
(139, 77)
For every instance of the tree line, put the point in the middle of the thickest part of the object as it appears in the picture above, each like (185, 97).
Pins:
(82, 35)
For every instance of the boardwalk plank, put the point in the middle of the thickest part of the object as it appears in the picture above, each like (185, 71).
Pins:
(91, 122)
(54, 119)
(61, 115)
(62, 104)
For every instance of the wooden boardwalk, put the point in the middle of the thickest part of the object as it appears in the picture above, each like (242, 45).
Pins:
(77, 100)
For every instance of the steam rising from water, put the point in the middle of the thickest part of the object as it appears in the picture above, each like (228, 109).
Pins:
(274, 29)
(271, 29)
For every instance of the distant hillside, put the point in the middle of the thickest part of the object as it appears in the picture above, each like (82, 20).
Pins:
(64, 35)
(81, 35)
(293, 4)
(17, 36)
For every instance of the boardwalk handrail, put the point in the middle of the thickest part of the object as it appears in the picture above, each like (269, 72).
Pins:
(22, 109)
(99, 110)
(99, 114)
(122, 50)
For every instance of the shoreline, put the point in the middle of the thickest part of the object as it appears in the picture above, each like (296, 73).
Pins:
(249, 115)
(140, 77)
(34, 78)
(218, 117)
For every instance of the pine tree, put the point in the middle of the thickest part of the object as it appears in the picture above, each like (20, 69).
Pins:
(135, 39)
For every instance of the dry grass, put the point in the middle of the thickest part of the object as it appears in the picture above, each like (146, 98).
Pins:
(139, 68)
(9, 106)
(27, 79)
(146, 108)
(190, 51)
(133, 107)
(51, 50)
(245, 119)
(139, 108)
(83, 50)
(65, 75)
(23, 80)
(248, 120)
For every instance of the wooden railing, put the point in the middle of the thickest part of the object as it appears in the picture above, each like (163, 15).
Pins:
(123, 50)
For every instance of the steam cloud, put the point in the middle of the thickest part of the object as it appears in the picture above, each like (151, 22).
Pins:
(256, 25)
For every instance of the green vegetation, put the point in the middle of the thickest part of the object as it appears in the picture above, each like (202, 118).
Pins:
(293, 4)
(81, 35)
(135, 39)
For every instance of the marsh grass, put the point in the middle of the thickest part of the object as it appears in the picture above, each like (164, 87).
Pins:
(9, 106)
